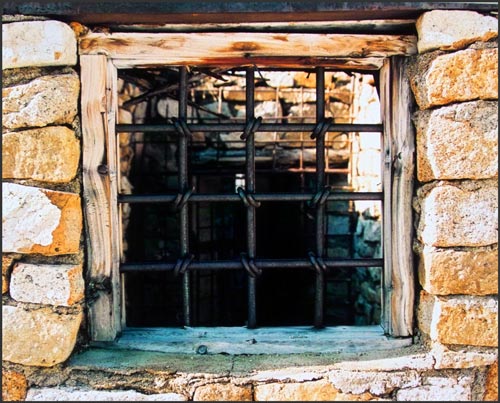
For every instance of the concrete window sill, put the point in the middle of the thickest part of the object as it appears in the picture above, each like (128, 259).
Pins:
(266, 340)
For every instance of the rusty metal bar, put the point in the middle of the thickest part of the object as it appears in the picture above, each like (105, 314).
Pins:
(260, 197)
(250, 188)
(320, 209)
(264, 264)
(239, 127)
(183, 187)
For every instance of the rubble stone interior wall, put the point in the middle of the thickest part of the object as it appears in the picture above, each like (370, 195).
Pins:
(454, 79)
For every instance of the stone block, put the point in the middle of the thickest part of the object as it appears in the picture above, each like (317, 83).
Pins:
(445, 358)
(450, 271)
(223, 392)
(438, 389)
(453, 29)
(47, 284)
(37, 43)
(49, 154)
(465, 75)
(460, 320)
(6, 263)
(88, 395)
(305, 391)
(459, 216)
(44, 101)
(38, 338)
(14, 386)
(459, 141)
(377, 383)
(491, 392)
(40, 221)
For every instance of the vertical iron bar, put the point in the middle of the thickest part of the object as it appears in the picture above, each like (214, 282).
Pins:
(195, 228)
(183, 186)
(250, 188)
(320, 183)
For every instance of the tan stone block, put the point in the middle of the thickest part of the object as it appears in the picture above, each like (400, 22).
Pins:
(6, 263)
(49, 154)
(456, 215)
(453, 29)
(37, 43)
(449, 271)
(491, 393)
(40, 220)
(38, 338)
(14, 385)
(72, 394)
(425, 312)
(43, 101)
(223, 392)
(305, 391)
(458, 141)
(373, 382)
(439, 389)
(462, 320)
(465, 75)
(47, 284)
(463, 360)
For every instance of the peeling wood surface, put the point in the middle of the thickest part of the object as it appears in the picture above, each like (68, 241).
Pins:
(271, 340)
(399, 140)
(387, 235)
(403, 164)
(96, 195)
(235, 48)
(113, 158)
(285, 62)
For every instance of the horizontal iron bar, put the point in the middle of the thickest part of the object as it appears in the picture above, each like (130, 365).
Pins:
(239, 127)
(262, 197)
(261, 264)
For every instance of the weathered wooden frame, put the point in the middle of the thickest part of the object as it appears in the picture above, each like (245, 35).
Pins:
(102, 54)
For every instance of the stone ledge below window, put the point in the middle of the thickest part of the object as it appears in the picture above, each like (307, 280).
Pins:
(240, 349)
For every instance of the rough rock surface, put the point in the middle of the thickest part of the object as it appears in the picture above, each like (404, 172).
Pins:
(37, 43)
(453, 29)
(47, 284)
(459, 141)
(446, 271)
(465, 75)
(14, 386)
(453, 215)
(84, 395)
(49, 154)
(39, 338)
(45, 100)
(42, 221)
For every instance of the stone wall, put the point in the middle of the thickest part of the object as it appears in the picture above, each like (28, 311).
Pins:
(454, 80)
(42, 254)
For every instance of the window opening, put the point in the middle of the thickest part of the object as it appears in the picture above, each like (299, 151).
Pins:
(249, 199)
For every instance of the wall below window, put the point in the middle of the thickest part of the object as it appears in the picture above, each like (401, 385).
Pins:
(455, 82)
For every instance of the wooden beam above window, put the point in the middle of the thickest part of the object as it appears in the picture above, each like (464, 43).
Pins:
(287, 50)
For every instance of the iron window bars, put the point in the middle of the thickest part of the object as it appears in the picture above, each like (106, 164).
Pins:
(251, 199)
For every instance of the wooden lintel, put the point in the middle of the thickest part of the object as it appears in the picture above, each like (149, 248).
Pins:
(212, 48)
(344, 64)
